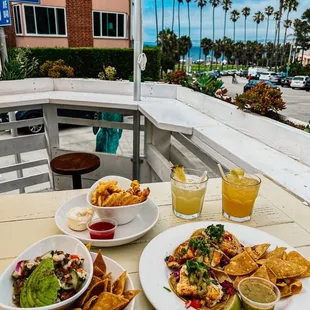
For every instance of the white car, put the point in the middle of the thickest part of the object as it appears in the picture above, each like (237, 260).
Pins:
(298, 81)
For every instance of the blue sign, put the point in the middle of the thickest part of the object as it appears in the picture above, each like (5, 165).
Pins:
(27, 1)
(5, 16)
(288, 68)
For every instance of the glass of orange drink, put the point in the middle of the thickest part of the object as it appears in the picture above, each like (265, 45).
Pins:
(188, 189)
(239, 192)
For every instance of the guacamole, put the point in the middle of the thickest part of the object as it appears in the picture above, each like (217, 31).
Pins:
(257, 291)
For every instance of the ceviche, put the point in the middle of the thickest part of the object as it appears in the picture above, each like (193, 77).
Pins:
(47, 279)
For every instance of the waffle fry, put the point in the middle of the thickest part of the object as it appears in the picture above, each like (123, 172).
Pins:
(109, 194)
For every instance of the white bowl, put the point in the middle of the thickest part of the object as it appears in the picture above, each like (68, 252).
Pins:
(122, 215)
(64, 243)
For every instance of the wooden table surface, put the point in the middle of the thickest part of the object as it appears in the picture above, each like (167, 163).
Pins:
(27, 218)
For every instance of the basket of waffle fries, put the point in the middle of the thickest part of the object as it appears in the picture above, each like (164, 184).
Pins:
(118, 198)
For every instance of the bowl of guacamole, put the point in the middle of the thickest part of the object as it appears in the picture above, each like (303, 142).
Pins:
(51, 274)
(258, 294)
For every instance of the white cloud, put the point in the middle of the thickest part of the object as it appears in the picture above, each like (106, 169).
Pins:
(255, 5)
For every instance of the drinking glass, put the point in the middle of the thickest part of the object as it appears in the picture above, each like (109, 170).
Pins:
(188, 197)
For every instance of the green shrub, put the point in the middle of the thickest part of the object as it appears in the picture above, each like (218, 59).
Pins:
(56, 69)
(12, 70)
(261, 99)
(87, 62)
(177, 77)
(107, 73)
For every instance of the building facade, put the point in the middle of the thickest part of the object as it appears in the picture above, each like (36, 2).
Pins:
(304, 57)
(70, 23)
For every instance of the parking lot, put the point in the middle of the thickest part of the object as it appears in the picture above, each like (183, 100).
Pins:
(297, 101)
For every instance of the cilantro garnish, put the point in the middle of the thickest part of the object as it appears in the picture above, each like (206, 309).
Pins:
(214, 282)
(183, 251)
(167, 289)
(215, 231)
(192, 265)
(199, 244)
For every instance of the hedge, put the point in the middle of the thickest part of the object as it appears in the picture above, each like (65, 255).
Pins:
(88, 62)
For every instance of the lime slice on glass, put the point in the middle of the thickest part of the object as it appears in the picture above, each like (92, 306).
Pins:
(233, 303)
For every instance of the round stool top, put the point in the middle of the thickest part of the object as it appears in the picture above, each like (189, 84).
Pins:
(75, 163)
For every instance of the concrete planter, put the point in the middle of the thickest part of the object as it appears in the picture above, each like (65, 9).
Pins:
(290, 141)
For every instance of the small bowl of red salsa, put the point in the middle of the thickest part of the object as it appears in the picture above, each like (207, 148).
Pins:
(102, 228)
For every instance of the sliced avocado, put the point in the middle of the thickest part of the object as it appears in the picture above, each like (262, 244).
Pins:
(41, 287)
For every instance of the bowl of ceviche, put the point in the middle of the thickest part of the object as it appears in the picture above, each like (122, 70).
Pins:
(51, 274)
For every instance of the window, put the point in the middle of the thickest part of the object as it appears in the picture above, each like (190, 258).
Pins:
(111, 25)
(41, 20)
(17, 21)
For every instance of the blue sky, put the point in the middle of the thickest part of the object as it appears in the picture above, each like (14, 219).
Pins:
(255, 5)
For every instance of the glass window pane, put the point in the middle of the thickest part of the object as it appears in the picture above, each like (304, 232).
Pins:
(43, 26)
(29, 17)
(51, 20)
(112, 25)
(18, 26)
(104, 24)
(120, 25)
(96, 21)
(61, 21)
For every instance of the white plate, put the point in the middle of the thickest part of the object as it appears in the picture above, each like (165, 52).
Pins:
(152, 263)
(59, 242)
(124, 234)
(117, 270)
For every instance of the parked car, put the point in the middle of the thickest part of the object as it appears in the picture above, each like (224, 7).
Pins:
(307, 85)
(286, 81)
(22, 115)
(299, 82)
(252, 83)
(244, 73)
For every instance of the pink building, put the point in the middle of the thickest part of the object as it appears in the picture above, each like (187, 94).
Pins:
(71, 23)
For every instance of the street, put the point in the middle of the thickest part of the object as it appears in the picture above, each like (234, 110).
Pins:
(297, 101)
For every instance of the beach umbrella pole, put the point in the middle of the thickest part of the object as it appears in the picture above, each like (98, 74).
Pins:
(137, 50)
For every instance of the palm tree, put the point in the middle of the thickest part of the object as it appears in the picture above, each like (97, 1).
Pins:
(179, 23)
(289, 5)
(206, 44)
(217, 47)
(156, 21)
(278, 33)
(163, 14)
(234, 16)
(276, 17)
(189, 25)
(268, 12)
(185, 45)
(258, 18)
(286, 24)
(201, 5)
(245, 12)
(214, 4)
(226, 7)
(173, 8)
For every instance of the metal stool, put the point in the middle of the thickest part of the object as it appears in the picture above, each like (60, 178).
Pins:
(75, 164)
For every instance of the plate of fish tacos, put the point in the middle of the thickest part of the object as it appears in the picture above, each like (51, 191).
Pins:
(201, 266)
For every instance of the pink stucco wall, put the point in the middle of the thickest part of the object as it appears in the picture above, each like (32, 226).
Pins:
(41, 42)
(113, 43)
(61, 3)
(112, 6)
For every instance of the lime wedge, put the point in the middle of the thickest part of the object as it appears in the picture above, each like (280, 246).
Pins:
(233, 303)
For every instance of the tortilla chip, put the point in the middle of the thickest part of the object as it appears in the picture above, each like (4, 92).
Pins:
(257, 251)
(88, 246)
(90, 302)
(299, 260)
(108, 301)
(277, 253)
(290, 287)
(221, 275)
(241, 264)
(119, 285)
(130, 295)
(98, 272)
(99, 262)
(237, 280)
(271, 275)
(94, 290)
(261, 261)
(285, 269)
(261, 272)
(107, 276)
